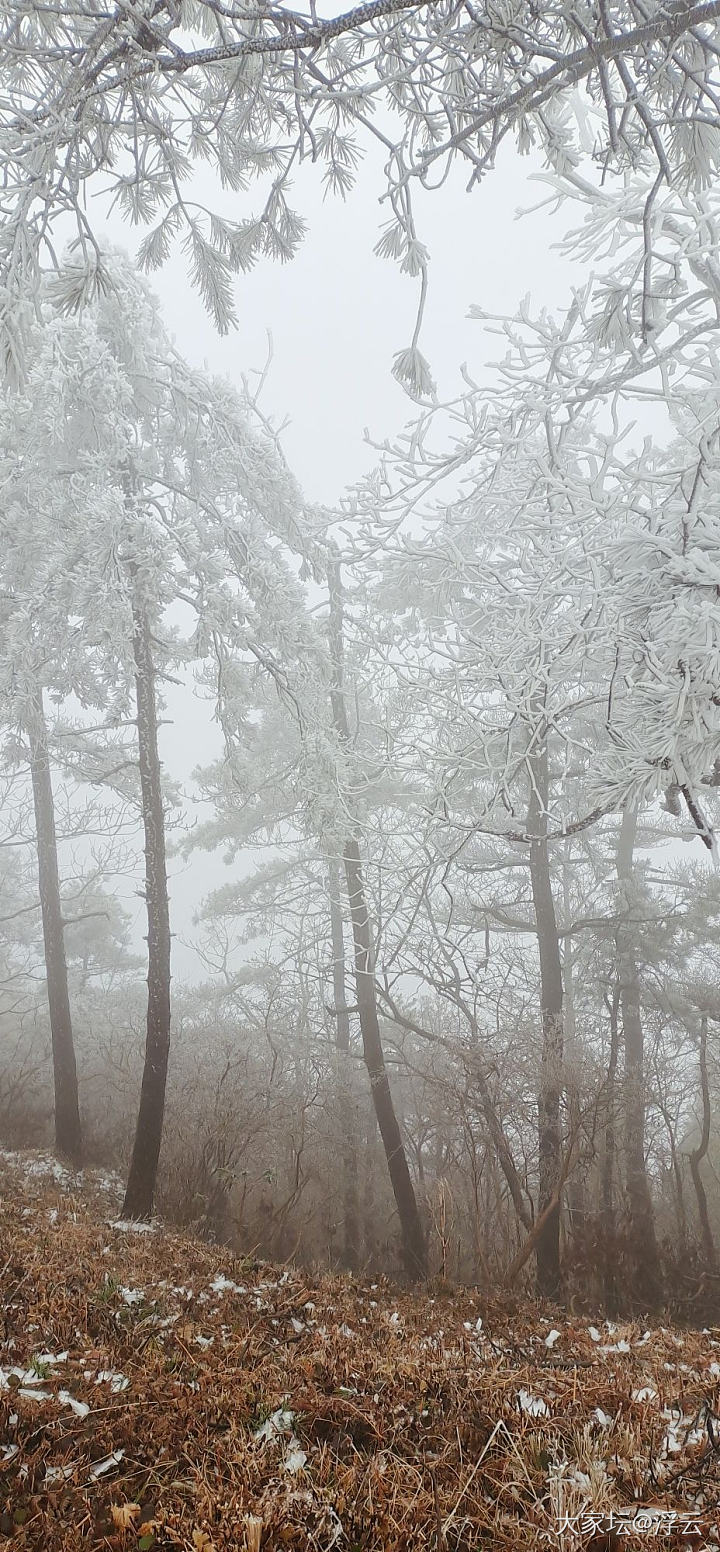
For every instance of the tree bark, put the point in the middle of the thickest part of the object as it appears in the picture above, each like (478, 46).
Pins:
(142, 1176)
(68, 1131)
(551, 1000)
(576, 1194)
(369, 1201)
(351, 1211)
(413, 1238)
(644, 1258)
(608, 1246)
(697, 1156)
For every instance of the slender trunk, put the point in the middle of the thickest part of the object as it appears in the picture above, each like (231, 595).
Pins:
(490, 1115)
(369, 1205)
(677, 1174)
(551, 999)
(68, 1133)
(645, 1261)
(413, 1238)
(699, 1153)
(148, 1134)
(351, 1212)
(680, 1213)
(608, 1247)
(576, 1196)
(504, 1156)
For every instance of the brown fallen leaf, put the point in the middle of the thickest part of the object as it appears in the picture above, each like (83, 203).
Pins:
(124, 1515)
(202, 1542)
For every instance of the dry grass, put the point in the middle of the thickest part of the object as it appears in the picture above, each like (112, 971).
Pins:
(191, 1400)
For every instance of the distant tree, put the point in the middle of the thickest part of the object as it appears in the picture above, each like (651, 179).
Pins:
(318, 808)
(414, 1246)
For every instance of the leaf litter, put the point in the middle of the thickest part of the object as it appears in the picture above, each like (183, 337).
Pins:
(157, 1392)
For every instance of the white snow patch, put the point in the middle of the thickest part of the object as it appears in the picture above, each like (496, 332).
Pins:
(113, 1378)
(133, 1226)
(295, 1459)
(533, 1405)
(57, 1474)
(80, 1408)
(28, 1378)
(222, 1284)
(100, 1467)
(279, 1422)
(37, 1166)
(52, 1358)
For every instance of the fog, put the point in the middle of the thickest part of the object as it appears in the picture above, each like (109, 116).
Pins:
(359, 651)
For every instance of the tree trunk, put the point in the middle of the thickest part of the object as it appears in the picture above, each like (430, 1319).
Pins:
(696, 1158)
(351, 1211)
(608, 1245)
(413, 1238)
(676, 1164)
(504, 1156)
(645, 1262)
(576, 1194)
(148, 1134)
(68, 1133)
(369, 1202)
(492, 1120)
(551, 1000)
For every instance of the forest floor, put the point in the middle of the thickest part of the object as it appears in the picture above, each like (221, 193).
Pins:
(157, 1392)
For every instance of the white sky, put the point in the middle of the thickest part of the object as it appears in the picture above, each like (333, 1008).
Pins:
(338, 314)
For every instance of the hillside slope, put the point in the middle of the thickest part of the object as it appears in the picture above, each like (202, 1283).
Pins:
(156, 1392)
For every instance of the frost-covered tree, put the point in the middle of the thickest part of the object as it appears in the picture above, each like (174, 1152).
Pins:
(503, 641)
(636, 352)
(147, 95)
(39, 652)
(133, 450)
(322, 812)
(557, 619)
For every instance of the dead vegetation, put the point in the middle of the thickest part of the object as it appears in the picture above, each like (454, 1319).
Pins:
(159, 1393)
